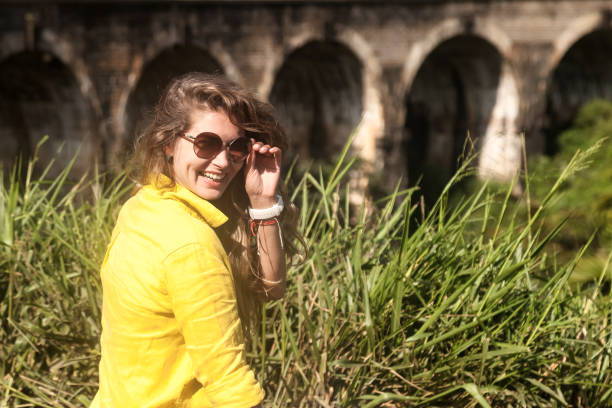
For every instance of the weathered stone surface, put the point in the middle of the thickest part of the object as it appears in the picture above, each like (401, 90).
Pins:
(416, 75)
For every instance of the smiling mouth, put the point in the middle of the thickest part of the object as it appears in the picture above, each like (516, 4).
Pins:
(212, 176)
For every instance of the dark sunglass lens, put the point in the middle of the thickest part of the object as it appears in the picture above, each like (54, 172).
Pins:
(239, 148)
(208, 145)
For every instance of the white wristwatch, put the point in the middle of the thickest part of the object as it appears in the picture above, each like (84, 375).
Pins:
(267, 213)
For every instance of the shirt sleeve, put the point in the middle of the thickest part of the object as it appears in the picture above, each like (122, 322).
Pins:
(203, 298)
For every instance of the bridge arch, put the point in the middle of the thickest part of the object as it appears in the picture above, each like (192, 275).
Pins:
(64, 50)
(40, 96)
(576, 29)
(148, 81)
(372, 125)
(318, 93)
(446, 30)
(463, 86)
(582, 71)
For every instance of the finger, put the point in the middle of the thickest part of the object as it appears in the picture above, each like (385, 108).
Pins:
(249, 162)
(278, 155)
(263, 149)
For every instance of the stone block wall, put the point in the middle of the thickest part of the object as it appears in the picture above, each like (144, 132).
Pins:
(415, 76)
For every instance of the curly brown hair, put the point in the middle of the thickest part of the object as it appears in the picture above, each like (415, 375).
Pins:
(196, 90)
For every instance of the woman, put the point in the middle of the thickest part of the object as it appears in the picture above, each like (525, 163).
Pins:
(194, 251)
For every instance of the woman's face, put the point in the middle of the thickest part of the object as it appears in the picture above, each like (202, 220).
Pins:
(208, 178)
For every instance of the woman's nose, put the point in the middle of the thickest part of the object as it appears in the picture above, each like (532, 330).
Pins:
(222, 159)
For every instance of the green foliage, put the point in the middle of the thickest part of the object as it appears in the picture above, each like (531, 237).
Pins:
(453, 311)
(586, 199)
(53, 236)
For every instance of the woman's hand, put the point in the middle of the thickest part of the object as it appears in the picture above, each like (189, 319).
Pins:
(262, 174)
(261, 177)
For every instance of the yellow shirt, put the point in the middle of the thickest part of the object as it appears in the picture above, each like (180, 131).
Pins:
(171, 335)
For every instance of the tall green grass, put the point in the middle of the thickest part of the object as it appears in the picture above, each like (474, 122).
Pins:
(54, 233)
(462, 307)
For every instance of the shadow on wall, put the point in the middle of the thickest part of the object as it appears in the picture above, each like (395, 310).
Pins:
(155, 77)
(318, 94)
(39, 96)
(584, 74)
(452, 96)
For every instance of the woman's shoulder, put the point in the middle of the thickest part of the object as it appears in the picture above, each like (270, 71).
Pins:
(165, 222)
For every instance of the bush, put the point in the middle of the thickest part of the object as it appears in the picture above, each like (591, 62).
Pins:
(586, 197)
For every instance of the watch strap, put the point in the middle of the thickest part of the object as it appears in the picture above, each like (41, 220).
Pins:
(267, 213)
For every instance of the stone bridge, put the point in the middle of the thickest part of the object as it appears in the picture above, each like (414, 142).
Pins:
(417, 76)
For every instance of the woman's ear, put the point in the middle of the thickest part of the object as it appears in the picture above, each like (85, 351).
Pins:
(169, 152)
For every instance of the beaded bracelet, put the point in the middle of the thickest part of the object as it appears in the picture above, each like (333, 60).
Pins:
(270, 221)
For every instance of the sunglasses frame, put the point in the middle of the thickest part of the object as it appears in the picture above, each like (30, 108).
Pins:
(224, 146)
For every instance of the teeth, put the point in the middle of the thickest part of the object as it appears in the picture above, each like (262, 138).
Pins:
(212, 176)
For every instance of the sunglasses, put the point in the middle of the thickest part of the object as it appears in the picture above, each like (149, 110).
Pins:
(207, 145)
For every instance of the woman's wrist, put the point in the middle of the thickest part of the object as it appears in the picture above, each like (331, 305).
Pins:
(269, 211)
(256, 225)
(260, 202)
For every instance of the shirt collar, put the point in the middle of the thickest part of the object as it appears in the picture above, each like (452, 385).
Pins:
(194, 203)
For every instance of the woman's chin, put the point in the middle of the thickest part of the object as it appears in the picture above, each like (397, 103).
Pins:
(209, 193)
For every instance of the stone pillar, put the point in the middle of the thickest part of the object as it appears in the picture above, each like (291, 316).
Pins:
(393, 156)
(530, 61)
(501, 149)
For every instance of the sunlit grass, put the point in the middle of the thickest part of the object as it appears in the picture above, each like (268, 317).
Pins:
(455, 309)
